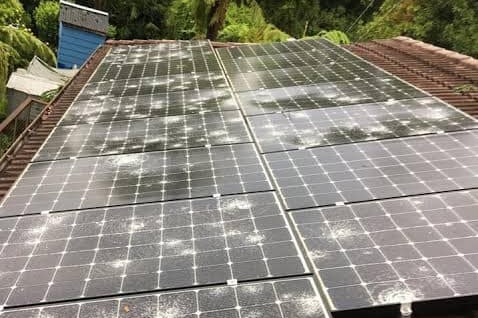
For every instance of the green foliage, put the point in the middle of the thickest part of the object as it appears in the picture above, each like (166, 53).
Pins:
(246, 23)
(49, 95)
(11, 12)
(46, 21)
(209, 17)
(5, 142)
(450, 24)
(466, 88)
(111, 32)
(9, 60)
(337, 37)
(26, 44)
(134, 19)
(180, 21)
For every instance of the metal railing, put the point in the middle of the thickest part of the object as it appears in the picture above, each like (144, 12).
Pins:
(18, 121)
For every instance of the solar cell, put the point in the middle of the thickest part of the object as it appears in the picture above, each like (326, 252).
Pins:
(348, 124)
(323, 95)
(93, 253)
(164, 133)
(105, 108)
(119, 71)
(246, 51)
(275, 298)
(376, 170)
(394, 251)
(288, 60)
(136, 178)
(306, 75)
(153, 85)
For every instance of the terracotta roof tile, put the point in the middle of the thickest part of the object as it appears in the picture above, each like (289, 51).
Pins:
(436, 70)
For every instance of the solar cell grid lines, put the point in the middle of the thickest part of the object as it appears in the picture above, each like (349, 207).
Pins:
(202, 61)
(157, 52)
(376, 170)
(279, 48)
(153, 134)
(153, 85)
(280, 298)
(107, 109)
(136, 178)
(394, 251)
(362, 91)
(93, 253)
(306, 75)
(288, 60)
(348, 124)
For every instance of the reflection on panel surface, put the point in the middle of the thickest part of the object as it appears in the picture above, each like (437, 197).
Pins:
(394, 251)
(146, 135)
(376, 170)
(348, 124)
(92, 253)
(106, 109)
(306, 75)
(278, 298)
(296, 98)
(136, 178)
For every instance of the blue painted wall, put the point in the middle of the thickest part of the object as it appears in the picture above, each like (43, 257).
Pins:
(76, 45)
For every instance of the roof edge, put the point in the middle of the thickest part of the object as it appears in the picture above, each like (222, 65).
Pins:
(462, 58)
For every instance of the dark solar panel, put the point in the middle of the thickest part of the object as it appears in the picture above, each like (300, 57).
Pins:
(153, 85)
(306, 75)
(323, 95)
(288, 60)
(348, 124)
(136, 178)
(276, 298)
(92, 253)
(275, 49)
(394, 251)
(376, 170)
(120, 71)
(164, 133)
(106, 109)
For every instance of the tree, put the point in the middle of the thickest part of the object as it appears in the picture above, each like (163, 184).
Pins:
(450, 24)
(46, 21)
(12, 12)
(246, 23)
(180, 20)
(209, 16)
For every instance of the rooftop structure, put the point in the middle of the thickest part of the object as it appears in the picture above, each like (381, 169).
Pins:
(280, 180)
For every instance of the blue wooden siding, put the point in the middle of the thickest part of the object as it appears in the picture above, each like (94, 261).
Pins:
(76, 45)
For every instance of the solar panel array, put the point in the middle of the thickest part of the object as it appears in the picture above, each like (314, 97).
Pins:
(376, 174)
(200, 179)
(151, 184)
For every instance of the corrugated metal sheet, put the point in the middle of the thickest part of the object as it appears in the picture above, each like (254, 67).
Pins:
(83, 17)
(76, 45)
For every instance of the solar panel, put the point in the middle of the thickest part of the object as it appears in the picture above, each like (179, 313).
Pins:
(306, 75)
(157, 52)
(394, 251)
(369, 90)
(246, 51)
(153, 134)
(153, 85)
(275, 298)
(348, 124)
(106, 109)
(199, 62)
(93, 253)
(136, 178)
(288, 60)
(376, 170)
